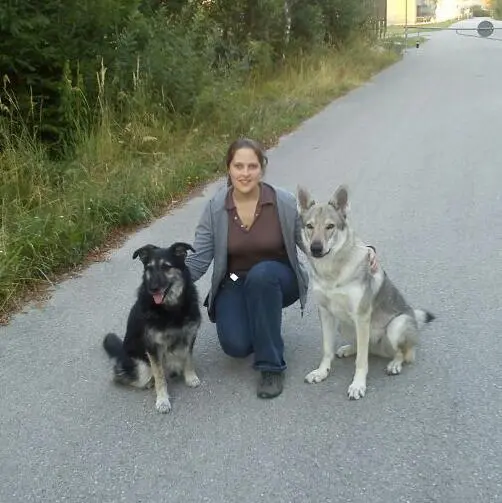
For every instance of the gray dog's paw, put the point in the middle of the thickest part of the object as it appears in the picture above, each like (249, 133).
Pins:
(356, 390)
(346, 351)
(317, 375)
(394, 367)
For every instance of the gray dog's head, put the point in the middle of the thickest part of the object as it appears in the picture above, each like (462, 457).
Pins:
(324, 225)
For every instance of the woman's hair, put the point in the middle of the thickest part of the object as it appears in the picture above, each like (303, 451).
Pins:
(255, 146)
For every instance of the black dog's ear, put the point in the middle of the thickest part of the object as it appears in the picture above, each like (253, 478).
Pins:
(181, 249)
(144, 252)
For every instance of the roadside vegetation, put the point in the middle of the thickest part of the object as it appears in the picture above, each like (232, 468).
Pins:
(485, 10)
(399, 30)
(112, 111)
(496, 9)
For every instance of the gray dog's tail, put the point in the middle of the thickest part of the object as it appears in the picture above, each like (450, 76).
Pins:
(424, 316)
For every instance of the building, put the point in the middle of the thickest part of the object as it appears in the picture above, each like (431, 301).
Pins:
(401, 12)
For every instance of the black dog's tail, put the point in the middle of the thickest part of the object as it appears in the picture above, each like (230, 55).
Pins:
(126, 370)
(113, 346)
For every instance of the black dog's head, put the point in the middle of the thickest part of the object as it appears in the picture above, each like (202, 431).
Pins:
(163, 277)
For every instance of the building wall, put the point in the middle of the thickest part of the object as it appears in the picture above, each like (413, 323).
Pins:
(447, 9)
(401, 12)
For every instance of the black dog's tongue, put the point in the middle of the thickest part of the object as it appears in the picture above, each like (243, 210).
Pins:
(158, 297)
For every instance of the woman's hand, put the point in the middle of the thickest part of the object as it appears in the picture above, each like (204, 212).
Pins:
(373, 259)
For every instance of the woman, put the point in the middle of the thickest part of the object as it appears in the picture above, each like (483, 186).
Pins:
(251, 230)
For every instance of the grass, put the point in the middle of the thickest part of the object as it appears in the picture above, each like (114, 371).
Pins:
(396, 34)
(53, 214)
(399, 30)
(399, 42)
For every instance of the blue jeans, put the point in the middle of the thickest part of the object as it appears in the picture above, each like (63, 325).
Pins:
(248, 313)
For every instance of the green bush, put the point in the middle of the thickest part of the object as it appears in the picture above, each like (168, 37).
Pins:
(480, 11)
(51, 54)
(109, 109)
(497, 9)
(47, 48)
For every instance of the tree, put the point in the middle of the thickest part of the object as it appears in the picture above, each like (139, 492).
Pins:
(47, 47)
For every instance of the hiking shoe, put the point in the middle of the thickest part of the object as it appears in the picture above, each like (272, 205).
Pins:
(270, 384)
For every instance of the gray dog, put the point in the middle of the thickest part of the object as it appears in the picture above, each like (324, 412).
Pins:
(368, 308)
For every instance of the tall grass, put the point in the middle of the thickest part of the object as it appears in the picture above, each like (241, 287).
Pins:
(496, 6)
(52, 213)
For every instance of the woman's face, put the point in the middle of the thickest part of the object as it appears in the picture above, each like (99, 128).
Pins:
(245, 170)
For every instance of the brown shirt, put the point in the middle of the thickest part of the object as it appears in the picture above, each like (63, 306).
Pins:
(262, 241)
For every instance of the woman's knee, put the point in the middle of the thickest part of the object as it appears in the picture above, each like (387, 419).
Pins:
(232, 324)
(268, 278)
(263, 273)
(235, 348)
(233, 334)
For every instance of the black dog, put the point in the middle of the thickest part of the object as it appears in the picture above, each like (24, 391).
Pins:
(162, 325)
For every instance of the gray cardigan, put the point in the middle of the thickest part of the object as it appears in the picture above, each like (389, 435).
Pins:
(211, 242)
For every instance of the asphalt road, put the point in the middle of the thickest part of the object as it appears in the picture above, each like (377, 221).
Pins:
(420, 148)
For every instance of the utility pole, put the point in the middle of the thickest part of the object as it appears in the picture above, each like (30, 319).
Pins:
(406, 26)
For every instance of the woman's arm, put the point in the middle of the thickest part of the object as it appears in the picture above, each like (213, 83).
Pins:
(298, 233)
(372, 258)
(198, 263)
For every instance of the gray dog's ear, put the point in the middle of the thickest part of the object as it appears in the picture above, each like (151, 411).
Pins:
(340, 199)
(304, 199)
(144, 253)
(180, 249)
